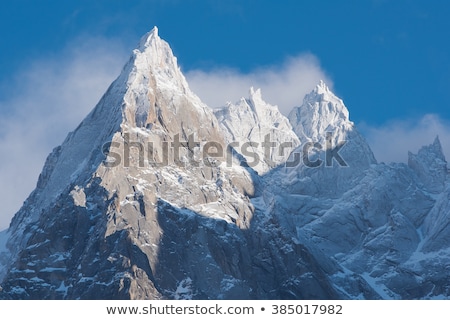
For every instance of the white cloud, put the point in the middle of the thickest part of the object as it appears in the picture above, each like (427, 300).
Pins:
(49, 99)
(392, 141)
(284, 85)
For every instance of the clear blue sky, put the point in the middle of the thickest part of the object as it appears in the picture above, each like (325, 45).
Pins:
(388, 60)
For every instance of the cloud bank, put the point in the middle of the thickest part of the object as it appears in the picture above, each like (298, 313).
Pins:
(48, 99)
(284, 85)
(392, 141)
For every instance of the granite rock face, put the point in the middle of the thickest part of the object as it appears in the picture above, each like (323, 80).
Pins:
(153, 197)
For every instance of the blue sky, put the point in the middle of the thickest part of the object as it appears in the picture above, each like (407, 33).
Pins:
(388, 60)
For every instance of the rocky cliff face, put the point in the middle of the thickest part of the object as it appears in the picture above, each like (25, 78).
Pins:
(154, 197)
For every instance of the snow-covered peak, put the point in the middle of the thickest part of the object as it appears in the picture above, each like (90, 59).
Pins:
(155, 54)
(264, 111)
(157, 91)
(255, 97)
(322, 121)
(432, 151)
(252, 121)
(154, 58)
(430, 166)
(150, 93)
(320, 112)
(149, 38)
(323, 101)
(322, 87)
(436, 148)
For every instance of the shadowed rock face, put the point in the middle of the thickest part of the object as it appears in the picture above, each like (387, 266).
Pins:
(140, 249)
(131, 206)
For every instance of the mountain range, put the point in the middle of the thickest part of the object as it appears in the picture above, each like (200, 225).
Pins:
(155, 195)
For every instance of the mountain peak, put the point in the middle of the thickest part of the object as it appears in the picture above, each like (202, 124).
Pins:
(322, 115)
(430, 165)
(255, 98)
(154, 74)
(437, 147)
(250, 121)
(321, 88)
(254, 93)
(322, 93)
(320, 111)
(149, 38)
(155, 53)
(434, 149)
